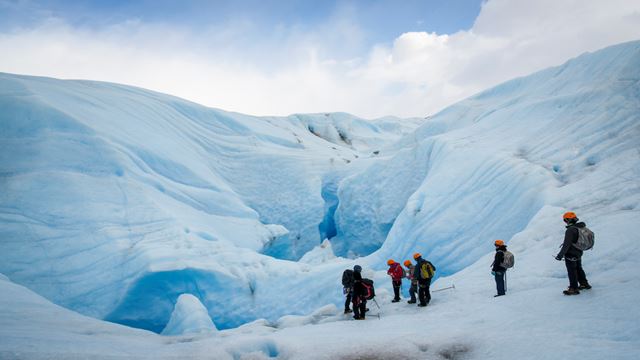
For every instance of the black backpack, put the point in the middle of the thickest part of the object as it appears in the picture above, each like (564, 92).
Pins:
(347, 278)
(369, 290)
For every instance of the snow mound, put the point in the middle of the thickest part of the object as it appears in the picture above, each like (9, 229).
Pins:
(189, 317)
(320, 254)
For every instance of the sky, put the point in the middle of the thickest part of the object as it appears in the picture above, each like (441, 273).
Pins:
(370, 58)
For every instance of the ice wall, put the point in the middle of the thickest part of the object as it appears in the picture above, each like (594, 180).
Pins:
(110, 192)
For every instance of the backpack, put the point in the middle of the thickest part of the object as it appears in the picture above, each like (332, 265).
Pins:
(369, 290)
(347, 278)
(398, 272)
(508, 260)
(427, 270)
(586, 239)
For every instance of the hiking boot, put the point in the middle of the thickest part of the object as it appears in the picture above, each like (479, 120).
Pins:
(395, 300)
(584, 287)
(571, 291)
(411, 302)
(422, 305)
(356, 318)
(346, 311)
(498, 295)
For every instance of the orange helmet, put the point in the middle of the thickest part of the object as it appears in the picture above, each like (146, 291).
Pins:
(499, 243)
(569, 215)
(417, 255)
(407, 262)
(390, 262)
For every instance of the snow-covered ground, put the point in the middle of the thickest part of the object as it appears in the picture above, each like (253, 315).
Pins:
(116, 201)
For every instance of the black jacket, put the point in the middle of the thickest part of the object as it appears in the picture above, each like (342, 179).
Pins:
(570, 238)
(416, 269)
(498, 259)
(358, 288)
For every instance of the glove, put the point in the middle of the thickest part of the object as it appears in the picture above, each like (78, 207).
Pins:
(559, 258)
(493, 273)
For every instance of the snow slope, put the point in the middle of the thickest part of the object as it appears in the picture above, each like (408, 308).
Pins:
(505, 163)
(482, 169)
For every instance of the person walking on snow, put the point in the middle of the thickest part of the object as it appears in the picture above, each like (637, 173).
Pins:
(497, 270)
(358, 297)
(397, 273)
(413, 289)
(424, 271)
(572, 255)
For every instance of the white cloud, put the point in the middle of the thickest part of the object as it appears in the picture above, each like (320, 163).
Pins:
(314, 70)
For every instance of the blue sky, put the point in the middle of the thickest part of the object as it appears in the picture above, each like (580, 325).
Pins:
(369, 58)
(384, 20)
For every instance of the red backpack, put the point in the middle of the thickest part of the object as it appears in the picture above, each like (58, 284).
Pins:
(369, 290)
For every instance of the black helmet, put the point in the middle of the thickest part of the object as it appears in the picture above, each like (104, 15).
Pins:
(357, 268)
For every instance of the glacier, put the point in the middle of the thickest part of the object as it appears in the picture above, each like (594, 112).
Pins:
(112, 192)
(117, 201)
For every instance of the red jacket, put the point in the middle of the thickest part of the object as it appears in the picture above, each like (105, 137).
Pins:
(395, 270)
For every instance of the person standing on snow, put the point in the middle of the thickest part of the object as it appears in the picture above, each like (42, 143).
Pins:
(347, 288)
(424, 271)
(358, 297)
(397, 273)
(572, 255)
(497, 270)
(414, 283)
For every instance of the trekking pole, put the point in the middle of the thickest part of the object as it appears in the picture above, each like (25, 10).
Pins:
(375, 302)
(453, 286)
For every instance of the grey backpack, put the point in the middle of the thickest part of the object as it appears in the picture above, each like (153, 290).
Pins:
(508, 261)
(586, 239)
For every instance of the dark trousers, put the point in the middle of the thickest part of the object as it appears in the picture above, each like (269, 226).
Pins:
(348, 300)
(413, 289)
(575, 272)
(500, 282)
(359, 307)
(396, 289)
(423, 291)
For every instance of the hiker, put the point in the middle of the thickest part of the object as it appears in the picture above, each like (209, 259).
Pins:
(498, 270)
(358, 297)
(347, 288)
(423, 271)
(397, 273)
(573, 255)
(414, 282)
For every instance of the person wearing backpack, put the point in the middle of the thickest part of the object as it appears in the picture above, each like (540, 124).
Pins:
(424, 271)
(572, 253)
(347, 288)
(397, 273)
(502, 260)
(359, 296)
(413, 289)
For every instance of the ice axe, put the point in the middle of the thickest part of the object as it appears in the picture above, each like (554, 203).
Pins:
(453, 286)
